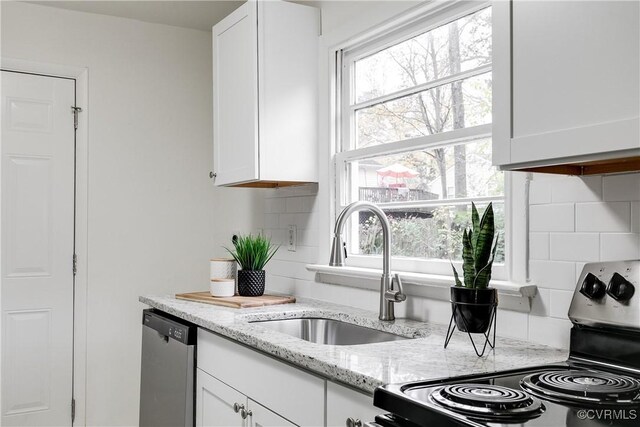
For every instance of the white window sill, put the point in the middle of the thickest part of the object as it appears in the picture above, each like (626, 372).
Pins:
(512, 296)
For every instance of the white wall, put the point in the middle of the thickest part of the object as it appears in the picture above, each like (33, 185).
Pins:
(154, 217)
(573, 220)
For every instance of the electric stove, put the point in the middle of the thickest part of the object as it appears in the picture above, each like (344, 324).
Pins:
(599, 385)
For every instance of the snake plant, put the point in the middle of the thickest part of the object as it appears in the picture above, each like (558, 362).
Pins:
(479, 243)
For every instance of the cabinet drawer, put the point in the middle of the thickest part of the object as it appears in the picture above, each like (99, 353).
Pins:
(292, 393)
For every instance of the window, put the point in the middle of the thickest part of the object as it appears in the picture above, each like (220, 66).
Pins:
(415, 138)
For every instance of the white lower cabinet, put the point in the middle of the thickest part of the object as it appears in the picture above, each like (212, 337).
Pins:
(219, 405)
(239, 386)
(296, 396)
(216, 403)
(347, 407)
(262, 417)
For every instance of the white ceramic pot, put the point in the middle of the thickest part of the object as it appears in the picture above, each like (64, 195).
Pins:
(222, 268)
(222, 287)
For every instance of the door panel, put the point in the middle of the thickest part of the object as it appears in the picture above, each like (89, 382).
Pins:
(344, 403)
(37, 249)
(215, 401)
(28, 246)
(235, 114)
(27, 381)
(263, 417)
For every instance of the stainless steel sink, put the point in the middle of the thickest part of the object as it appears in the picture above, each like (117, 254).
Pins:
(328, 331)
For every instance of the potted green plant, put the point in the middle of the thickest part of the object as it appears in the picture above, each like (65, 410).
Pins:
(252, 253)
(472, 300)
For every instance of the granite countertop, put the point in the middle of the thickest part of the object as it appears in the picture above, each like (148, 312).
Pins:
(362, 366)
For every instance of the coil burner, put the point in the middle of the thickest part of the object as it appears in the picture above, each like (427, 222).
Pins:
(487, 401)
(583, 386)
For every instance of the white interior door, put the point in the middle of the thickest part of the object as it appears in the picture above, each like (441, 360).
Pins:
(37, 249)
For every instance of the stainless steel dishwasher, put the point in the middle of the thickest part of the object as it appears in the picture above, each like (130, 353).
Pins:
(167, 383)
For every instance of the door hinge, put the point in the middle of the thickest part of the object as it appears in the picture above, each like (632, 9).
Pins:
(75, 111)
(73, 410)
(75, 264)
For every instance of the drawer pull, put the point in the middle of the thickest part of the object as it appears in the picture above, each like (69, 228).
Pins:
(238, 407)
(353, 422)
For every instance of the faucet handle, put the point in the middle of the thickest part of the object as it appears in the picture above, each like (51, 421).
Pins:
(396, 295)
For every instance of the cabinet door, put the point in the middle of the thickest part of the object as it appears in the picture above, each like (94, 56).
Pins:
(262, 417)
(235, 99)
(215, 403)
(574, 70)
(292, 392)
(344, 403)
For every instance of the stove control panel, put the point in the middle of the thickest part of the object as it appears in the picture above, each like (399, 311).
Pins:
(606, 296)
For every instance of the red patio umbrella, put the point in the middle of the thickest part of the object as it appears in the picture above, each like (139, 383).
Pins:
(397, 170)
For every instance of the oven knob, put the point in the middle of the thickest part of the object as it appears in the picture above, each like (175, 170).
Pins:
(592, 287)
(620, 289)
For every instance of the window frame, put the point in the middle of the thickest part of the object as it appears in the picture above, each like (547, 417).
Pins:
(345, 58)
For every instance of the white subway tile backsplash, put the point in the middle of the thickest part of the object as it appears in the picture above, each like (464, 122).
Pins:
(579, 268)
(294, 204)
(303, 254)
(300, 220)
(539, 192)
(285, 220)
(549, 331)
(278, 235)
(274, 205)
(283, 285)
(625, 187)
(635, 217)
(298, 190)
(553, 274)
(540, 303)
(309, 203)
(271, 220)
(574, 246)
(559, 302)
(573, 220)
(603, 217)
(512, 324)
(577, 189)
(557, 217)
(539, 245)
(308, 237)
(291, 269)
(619, 246)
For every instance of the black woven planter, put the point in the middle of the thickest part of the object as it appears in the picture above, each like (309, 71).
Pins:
(251, 282)
(473, 308)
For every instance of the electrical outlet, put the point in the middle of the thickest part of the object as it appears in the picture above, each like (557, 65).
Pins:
(292, 238)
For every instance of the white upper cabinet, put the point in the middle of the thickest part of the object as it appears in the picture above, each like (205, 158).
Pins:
(566, 84)
(265, 95)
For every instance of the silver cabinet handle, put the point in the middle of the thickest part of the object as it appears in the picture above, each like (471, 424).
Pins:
(212, 174)
(238, 407)
(244, 413)
(354, 422)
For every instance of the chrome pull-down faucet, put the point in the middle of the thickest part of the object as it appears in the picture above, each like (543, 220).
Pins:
(389, 295)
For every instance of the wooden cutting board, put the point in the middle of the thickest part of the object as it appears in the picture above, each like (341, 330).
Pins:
(237, 301)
